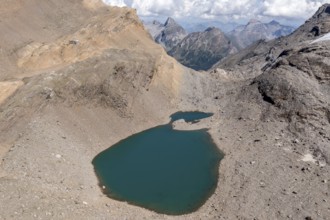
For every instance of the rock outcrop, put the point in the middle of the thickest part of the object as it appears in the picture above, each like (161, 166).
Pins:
(296, 88)
(167, 35)
(290, 78)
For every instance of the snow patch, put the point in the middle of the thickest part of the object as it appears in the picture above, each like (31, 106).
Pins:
(325, 37)
(308, 158)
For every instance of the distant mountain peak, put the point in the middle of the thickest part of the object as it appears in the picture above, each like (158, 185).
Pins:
(210, 29)
(168, 34)
(170, 22)
(273, 22)
(253, 21)
(201, 50)
(255, 30)
(155, 22)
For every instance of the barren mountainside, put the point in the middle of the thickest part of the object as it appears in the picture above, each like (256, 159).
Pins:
(250, 61)
(78, 76)
(200, 50)
(168, 34)
(245, 35)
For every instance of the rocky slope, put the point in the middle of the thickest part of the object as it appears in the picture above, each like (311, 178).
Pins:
(168, 35)
(291, 90)
(201, 50)
(32, 23)
(254, 30)
(70, 91)
(297, 85)
(252, 60)
(67, 96)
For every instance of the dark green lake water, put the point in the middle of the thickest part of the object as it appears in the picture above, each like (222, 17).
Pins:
(169, 171)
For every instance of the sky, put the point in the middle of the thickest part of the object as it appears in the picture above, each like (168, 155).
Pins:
(292, 12)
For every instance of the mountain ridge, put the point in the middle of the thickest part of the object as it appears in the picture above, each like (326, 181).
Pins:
(264, 52)
(175, 40)
(255, 30)
(168, 34)
(270, 103)
(200, 50)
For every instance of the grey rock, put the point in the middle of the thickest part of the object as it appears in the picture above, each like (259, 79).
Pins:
(201, 50)
(255, 30)
(168, 35)
(255, 59)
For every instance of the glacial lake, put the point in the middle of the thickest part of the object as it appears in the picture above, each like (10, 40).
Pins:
(165, 170)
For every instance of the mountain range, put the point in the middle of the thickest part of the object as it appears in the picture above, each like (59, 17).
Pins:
(201, 50)
(79, 76)
(254, 30)
(193, 25)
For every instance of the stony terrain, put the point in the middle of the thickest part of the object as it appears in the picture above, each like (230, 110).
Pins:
(83, 76)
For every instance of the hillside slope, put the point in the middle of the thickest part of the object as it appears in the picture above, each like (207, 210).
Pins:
(78, 76)
(201, 50)
(98, 77)
(250, 61)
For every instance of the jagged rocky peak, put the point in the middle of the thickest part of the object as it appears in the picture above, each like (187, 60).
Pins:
(209, 29)
(155, 22)
(273, 22)
(323, 15)
(253, 21)
(323, 11)
(213, 31)
(254, 59)
(255, 30)
(317, 25)
(201, 50)
(170, 22)
(169, 34)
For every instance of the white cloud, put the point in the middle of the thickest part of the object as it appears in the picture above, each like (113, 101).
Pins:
(150, 7)
(119, 3)
(230, 9)
(292, 8)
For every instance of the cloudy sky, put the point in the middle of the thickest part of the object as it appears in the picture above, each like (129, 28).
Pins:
(287, 11)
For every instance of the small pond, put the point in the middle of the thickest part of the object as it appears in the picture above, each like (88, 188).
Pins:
(169, 171)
